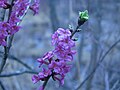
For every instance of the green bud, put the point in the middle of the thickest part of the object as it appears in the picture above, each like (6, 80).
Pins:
(84, 15)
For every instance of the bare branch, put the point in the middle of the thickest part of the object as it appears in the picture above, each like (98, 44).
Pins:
(18, 73)
(20, 61)
(115, 84)
(2, 86)
(98, 64)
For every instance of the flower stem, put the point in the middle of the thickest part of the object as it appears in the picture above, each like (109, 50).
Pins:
(45, 82)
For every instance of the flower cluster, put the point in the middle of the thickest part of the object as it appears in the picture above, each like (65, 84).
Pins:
(19, 9)
(56, 61)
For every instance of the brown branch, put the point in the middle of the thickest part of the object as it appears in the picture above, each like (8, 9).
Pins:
(98, 64)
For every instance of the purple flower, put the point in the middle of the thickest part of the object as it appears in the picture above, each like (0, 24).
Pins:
(59, 67)
(35, 6)
(13, 19)
(60, 79)
(14, 29)
(42, 61)
(53, 65)
(63, 32)
(35, 78)
(44, 73)
(2, 41)
(55, 38)
(3, 29)
(48, 55)
(20, 7)
(3, 3)
(41, 76)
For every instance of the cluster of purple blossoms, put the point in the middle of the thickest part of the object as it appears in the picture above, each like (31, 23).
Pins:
(19, 9)
(56, 61)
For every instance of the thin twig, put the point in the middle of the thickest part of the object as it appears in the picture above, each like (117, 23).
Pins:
(4, 59)
(98, 64)
(2, 86)
(18, 73)
(73, 33)
(114, 85)
(18, 60)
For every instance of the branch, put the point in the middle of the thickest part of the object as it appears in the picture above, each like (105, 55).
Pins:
(18, 60)
(2, 86)
(76, 30)
(114, 85)
(45, 82)
(18, 73)
(98, 64)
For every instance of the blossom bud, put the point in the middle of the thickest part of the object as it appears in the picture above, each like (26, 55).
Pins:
(83, 17)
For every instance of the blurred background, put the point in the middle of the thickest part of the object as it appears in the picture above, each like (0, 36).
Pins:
(97, 35)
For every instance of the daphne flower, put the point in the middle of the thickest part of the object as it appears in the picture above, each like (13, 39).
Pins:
(63, 32)
(35, 78)
(55, 38)
(35, 6)
(3, 3)
(56, 60)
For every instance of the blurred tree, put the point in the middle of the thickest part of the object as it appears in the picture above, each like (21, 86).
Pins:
(53, 14)
(95, 42)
